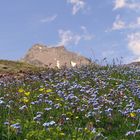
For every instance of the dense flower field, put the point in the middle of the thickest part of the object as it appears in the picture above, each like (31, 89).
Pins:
(87, 103)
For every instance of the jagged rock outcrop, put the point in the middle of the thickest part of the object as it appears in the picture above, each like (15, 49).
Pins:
(41, 55)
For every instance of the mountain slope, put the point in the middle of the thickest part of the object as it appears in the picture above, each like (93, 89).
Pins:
(41, 55)
(13, 67)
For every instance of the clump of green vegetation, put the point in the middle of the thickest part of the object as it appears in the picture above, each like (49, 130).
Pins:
(7, 66)
(87, 103)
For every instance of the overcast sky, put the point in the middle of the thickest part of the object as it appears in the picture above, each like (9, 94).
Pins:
(96, 29)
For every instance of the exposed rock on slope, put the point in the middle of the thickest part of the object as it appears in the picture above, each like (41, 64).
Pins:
(41, 55)
(134, 64)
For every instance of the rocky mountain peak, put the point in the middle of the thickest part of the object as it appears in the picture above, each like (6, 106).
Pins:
(58, 56)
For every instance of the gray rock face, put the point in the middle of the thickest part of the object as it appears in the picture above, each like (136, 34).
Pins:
(41, 55)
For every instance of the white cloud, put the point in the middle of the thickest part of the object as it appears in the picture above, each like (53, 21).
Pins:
(48, 19)
(135, 24)
(134, 43)
(77, 5)
(119, 4)
(133, 5)
(118, 24)
(86, 35)
(67, 37)
(126, 4)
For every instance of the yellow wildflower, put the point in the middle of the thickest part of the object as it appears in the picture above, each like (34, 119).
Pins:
(27, 93)
(20, 90)
(41, 89)
(48, 90)
(25, 100)
(132, 114)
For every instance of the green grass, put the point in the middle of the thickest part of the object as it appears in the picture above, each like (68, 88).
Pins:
(8, 66)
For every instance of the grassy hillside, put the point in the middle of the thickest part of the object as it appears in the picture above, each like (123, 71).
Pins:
(7, 66)
(87, 103)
